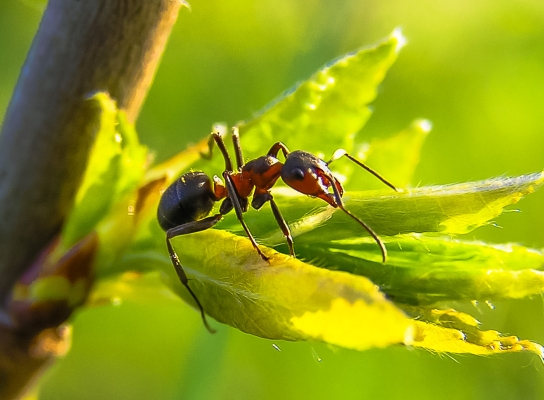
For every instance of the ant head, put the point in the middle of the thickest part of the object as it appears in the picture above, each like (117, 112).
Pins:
(310, 175)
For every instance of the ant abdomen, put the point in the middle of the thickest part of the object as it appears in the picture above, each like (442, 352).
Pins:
(188, 199)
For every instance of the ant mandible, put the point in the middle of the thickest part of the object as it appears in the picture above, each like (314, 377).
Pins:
(186, 204)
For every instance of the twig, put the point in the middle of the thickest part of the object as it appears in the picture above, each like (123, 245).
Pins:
(80, 47)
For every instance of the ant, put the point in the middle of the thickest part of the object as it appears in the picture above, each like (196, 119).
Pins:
(185, 205)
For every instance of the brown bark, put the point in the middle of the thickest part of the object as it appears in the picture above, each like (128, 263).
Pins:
(81, 47)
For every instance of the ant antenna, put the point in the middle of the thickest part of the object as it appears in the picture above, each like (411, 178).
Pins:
(237, 147)
(221, 144)
(341, 153)
(340, 203)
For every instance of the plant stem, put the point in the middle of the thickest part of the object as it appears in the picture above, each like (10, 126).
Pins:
(81, 47)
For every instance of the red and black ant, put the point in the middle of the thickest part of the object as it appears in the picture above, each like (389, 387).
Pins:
(185, 205)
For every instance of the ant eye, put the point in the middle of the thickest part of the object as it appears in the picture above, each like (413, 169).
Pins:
(298, 174)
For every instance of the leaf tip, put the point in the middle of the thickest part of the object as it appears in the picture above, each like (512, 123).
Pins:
(185, 4)
(103, 99)
(423, 125)
(400, 38)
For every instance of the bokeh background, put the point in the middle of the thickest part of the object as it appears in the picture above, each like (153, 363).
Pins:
(475, 69)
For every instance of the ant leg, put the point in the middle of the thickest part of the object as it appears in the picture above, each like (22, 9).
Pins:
(221, 144)
(283, 225)
(258, 201)
(185, 281)
(370, 231)
(219, 129)
(234, 198)
(184, 229)
(341, 152)
(340, 204)
(207, 155)
(194, 226)
(275, 149)
(237, 147)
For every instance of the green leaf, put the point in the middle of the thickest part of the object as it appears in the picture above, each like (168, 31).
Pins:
(286, 299)
(291, 300)
(422, 269)
(332, 104)
(115, 166)
(95, 194)
(394, 157)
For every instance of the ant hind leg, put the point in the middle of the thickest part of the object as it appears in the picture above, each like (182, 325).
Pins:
(185, 282)
(190, 227)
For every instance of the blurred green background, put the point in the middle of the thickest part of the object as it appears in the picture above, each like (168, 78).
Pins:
(475, 69)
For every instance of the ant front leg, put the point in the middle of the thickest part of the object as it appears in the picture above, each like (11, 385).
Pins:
(236, 204)
(259, 199)
(221, 144)
(341, 153)
(237, 147)
(190, 227)
(218, 129)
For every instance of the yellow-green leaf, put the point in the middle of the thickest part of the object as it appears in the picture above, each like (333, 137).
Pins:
(284, 299)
